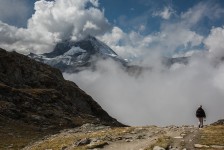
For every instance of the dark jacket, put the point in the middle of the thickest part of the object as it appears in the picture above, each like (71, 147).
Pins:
(200, 112)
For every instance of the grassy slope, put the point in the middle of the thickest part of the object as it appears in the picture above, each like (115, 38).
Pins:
(212, 135)
(15, 135)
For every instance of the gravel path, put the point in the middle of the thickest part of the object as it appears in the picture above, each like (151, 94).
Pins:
(182, 137)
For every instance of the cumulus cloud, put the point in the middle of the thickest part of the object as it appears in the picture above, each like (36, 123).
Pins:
(167, 41)
(54, 21)
(23, 40)
(214, 42)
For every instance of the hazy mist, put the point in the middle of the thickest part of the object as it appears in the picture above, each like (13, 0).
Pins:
(161, 96)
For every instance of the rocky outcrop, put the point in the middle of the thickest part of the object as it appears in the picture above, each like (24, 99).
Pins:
(219, 122)
(35, 93)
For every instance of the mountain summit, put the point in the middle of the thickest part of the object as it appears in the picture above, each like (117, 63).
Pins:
(72, 56)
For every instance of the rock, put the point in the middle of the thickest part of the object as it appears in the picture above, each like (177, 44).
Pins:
(200, 146)
(218, 146)
(132, 132)
(119, 138)
(84, 141)
(107, 138)
(178, 137)
(219, 122)
(99, 144)
(140, 137)
(64, 147)
(158, 148)
(10, 146)
(183, 134)
(128, 140)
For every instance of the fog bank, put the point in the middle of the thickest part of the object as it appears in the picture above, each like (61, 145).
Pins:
(161, 96)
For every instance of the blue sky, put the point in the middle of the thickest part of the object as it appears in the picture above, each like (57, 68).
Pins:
(130, 14)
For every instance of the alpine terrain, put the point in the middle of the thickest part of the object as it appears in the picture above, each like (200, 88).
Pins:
(73, 56)
(35, 100)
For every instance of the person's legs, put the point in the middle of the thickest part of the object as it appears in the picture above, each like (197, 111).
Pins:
(199, 125)
(201, 122)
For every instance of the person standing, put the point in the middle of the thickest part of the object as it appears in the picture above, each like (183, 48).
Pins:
(200, 114)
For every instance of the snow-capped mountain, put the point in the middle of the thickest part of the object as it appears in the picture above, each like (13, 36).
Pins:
(73, 56)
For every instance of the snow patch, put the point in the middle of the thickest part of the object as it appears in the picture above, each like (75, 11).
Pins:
(74, 50)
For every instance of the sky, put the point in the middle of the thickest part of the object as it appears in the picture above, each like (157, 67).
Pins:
(188, 22)
(142, 31)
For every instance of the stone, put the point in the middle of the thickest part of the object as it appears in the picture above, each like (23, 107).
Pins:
(200, 146)
(218, 146)
(183, 134)
(158, 148)
(128, 140)
(119, 138)
(140, 137)
(64, 147)
(99, 144)
(107, 138)
(84, 141)
(178, 137)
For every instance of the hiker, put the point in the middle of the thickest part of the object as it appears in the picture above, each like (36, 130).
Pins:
(200, 114)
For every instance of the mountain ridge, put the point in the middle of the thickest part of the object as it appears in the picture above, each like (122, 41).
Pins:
(36, 93)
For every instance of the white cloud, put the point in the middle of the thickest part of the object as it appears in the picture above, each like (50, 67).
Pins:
(95, 3)
(89, 26)
(54, 21)
(166, 41)
(165, 14)
(214, 42)
(200, 11)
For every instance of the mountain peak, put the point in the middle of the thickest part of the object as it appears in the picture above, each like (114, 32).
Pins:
(72, 55)
(90, 37)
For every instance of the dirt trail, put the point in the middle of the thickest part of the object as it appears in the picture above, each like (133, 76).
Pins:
(135, 145)
(129, 138)
(182, 137)
(186, 139)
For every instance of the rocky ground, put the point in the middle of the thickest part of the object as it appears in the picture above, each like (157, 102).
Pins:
(95, 137)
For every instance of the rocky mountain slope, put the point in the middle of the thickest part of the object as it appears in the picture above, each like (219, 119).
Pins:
(35, 94)
(73, 56)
